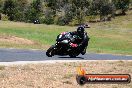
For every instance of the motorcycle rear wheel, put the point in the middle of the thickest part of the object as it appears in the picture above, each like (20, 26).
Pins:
(50, 51)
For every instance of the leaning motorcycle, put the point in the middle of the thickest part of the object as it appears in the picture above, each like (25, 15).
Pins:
(63, 46)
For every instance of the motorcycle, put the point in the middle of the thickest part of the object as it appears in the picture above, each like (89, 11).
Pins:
(63, 46)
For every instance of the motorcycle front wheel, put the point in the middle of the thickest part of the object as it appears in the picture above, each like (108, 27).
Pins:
(50, 51)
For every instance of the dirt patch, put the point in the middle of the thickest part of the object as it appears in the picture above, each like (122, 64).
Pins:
(61, 75)
(15, 40)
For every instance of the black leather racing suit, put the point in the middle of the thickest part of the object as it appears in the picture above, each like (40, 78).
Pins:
(81, 41)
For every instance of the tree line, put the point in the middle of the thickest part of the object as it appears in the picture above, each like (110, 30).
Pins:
(62, 12)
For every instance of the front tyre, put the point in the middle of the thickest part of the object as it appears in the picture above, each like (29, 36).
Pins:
(50, 51)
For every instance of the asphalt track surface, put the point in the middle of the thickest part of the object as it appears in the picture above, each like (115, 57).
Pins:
(11, 55)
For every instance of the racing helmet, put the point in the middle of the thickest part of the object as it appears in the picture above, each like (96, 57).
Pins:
(80, 30)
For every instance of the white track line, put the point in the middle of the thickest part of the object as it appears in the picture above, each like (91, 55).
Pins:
(52, 62)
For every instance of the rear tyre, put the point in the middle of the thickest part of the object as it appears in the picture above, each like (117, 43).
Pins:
(50, 51)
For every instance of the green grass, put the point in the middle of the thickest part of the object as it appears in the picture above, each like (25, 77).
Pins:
(106, 37)
(41, 33)
(112, 37)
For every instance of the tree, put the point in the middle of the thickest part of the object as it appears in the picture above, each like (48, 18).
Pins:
(80, 7)
(61, 12)
(103, 8)
(122, 5)
(9, 9)
(69, 10)
(106, 10)
(21, 9)
(51, 9)
(34, 11)
(1, 6)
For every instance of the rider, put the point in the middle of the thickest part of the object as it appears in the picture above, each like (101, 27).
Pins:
(80, 39)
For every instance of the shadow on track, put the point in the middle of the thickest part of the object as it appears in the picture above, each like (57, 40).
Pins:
(70, 57)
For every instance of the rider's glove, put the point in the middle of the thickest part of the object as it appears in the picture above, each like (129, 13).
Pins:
(79, 45)
(73, 45)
